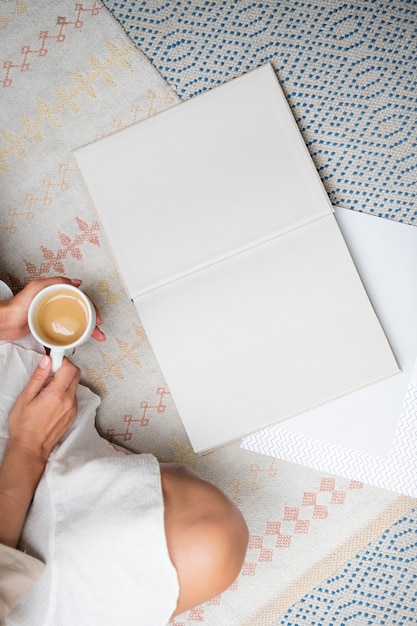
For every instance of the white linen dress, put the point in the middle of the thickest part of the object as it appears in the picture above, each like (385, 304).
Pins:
(96, 522)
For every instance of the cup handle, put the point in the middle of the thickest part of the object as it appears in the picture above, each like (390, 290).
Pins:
(57, 357)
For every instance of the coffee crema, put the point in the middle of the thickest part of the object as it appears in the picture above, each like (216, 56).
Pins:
(61, 317)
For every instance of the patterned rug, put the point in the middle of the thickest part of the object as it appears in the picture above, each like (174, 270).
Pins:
(348, 69)
(69, 74)
(377, 587)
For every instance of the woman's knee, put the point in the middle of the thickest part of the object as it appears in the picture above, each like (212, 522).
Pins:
(207, 536)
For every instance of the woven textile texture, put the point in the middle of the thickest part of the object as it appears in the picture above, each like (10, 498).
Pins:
(69, 75)
(349, 70)
(378, 587)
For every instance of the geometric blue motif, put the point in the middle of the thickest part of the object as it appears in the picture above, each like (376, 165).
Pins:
(378, 587)
(349, 71)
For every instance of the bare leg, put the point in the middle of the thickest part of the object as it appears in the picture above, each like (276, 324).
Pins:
(206, 535)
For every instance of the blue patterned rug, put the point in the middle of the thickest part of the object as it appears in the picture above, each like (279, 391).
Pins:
(379, 587)
(349, 70)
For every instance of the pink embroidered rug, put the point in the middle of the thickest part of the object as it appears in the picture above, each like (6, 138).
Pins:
(69, 75)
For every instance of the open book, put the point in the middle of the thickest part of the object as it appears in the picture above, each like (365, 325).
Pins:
(228, 246)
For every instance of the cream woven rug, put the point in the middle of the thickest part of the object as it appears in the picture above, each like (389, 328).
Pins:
(69, 75)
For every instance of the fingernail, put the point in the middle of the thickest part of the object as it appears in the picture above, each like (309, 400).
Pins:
(76, 282)
(44, 362)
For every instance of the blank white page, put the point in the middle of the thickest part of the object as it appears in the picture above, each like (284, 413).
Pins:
(202, 180)
(265, 335)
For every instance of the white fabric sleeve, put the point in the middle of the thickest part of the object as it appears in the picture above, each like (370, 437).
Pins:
(18, 572)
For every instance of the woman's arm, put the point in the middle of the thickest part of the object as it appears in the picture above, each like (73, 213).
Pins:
(42, 414)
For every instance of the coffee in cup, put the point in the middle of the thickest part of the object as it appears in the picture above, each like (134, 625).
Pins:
(61, 317)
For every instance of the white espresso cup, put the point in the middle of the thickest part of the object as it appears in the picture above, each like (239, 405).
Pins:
(61, 317)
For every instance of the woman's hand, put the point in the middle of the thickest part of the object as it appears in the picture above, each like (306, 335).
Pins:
(45, 409)
(42, 414)
(14, 312)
